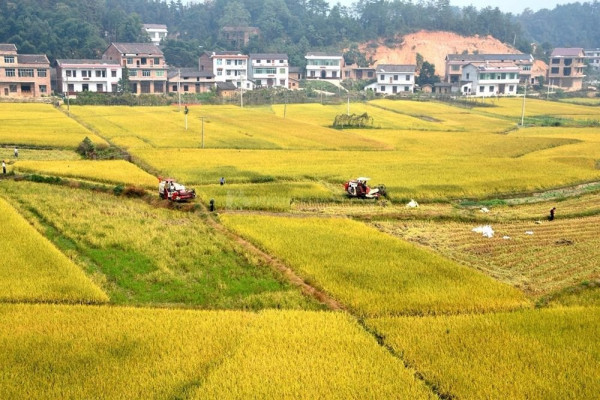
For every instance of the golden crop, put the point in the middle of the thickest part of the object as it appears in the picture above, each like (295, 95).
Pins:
(41, 125)
(106, 171)
(529, 354)
(373, 273)
(32, 269)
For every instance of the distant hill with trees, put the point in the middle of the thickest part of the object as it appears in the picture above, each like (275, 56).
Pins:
(83, 29)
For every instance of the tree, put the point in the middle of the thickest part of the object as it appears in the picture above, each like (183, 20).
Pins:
(427, 75)
(124, 84)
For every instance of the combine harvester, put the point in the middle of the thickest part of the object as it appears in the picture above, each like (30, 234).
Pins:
(358, 189)
(169, 189)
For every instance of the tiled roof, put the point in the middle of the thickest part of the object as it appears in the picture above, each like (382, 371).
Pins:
(322, 54)
(567, 52)
(489, 57)
(154, 26)
(138, 48)
(33, 59)
(189, 73)
(8, 47)
(226, 86)
(268, 56)
(86, 61)
(396, 68)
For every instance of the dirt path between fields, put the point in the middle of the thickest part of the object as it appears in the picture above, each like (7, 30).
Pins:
(287, 272)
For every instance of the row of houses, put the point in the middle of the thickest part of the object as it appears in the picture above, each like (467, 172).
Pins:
(23, 75)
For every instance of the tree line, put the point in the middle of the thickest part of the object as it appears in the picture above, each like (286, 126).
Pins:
(84, 29)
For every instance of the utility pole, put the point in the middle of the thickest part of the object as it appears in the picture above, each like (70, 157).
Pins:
(202, 118)
(185, 112)
(68, 100)
(179, 87)
(523, 106)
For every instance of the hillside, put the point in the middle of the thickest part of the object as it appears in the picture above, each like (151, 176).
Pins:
(433, 46)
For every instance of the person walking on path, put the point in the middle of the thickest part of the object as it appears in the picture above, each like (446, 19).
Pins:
(551, 216)
(222, 181)
(16, 152)
(3, 167)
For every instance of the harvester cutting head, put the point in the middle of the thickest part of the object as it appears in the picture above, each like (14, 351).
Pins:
(358, 188)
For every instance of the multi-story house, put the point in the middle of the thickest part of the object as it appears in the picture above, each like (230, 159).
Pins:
(73, 76)
(566, 68)
(227, 66)
(485, 79)
(269, 70)
(190, 80)
(156, 32)
(394, 79)
(456, 62)
(145, 64)
(324, 65)
(294, 77)
(23, 75)
(354, 72)
(592, 57)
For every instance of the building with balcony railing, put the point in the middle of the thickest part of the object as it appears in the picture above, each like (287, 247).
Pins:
(227, 66)
(487, 79)
(269, 70)
(23, 75)
(324, 66)
(394, 79)
(74, 76)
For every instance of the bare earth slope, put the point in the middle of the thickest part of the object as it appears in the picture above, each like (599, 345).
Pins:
(433, 46)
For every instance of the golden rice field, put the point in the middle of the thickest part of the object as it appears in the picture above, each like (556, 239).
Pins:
(552, 256)
(512, 107)
(141, 254)
(370, 272)
(593, 101)
(529, 354)
(33, 270)
(52, 352)
(41, 125)
(105, 171)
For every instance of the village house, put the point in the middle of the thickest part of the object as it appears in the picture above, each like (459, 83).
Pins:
(74, 76)
(238, 36)
(592, 56)
(156, 32)
(324, 65)
(190, 80)
(294, 78)
(485, 79)
(227, 66)
(145, 64)
(355, 73)
(566, 68)
(23, 75)
(269, 70)
(456, 62)
(394, 79)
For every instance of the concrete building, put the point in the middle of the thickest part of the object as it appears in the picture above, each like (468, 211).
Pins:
(190, 80)
(566, 68)
(74, 76)
(269, 70)
(592, 56)
(486, 79)
(145, 64)
(227, 66)
(23, 75)
(324, 65)
(156, 32)
(394, 79)
(456, 62)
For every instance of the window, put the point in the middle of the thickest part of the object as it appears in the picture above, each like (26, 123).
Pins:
(219, 61)
(370, 74)
(511, 88)
(467, 75)
(503, 76)
(568, 61)
(383, 88)
(100, 73)
(186, 88)
(408, 77)
(99, 87)
(13, 88)
(554, 70)
(85, 87)
(481, 89)
(556, 61)
(146, 72)
(282, 82)
(41, 73)
(25, 88)
(132, 72)
(567, 71)
(10, 71)
(84, 74)
(70, 87)
(144, 61)
(382, 77)
(9, 59)
(228, 62)
(406, 88)
(282, 70)
(129, 60)
(258, 82)
(25, 73)
(156, 60)
(113, 73)
(281, 61)
(159, 73)
(491, 89)
(526, 67)
(395, 77)
(43, 89)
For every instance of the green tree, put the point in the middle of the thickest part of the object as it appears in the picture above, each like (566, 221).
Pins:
(124, 84)
(427, 74)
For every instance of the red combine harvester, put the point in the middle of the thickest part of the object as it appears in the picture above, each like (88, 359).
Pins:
(169, 189)
(358, 188)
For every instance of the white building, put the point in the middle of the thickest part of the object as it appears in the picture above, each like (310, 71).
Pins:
(593, 57)
(269, 70)
(75, 76)
(156, 32)
(227, 66)
(324, 65)
(394, 79)
(487, 79)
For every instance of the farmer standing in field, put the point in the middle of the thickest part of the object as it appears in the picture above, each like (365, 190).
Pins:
(551, 216)
(16, 152)
(3, 167)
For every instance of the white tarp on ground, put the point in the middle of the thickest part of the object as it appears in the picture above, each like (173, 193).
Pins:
(412, 204)
(485, 230)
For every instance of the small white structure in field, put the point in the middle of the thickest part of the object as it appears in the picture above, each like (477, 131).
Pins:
(485, 230)
(485, 210)
(529, 232)
(412, 204)
(505, 237)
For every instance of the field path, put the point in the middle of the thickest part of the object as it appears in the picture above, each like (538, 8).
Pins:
(274, 263)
